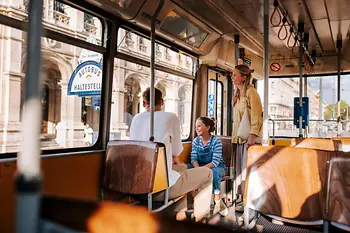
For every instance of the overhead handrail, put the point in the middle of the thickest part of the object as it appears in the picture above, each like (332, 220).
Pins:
(276, 10)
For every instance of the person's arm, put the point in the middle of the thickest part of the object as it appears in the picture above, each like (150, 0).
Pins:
(255, 116)
(194, 153)
(176, 160)
(176, 143)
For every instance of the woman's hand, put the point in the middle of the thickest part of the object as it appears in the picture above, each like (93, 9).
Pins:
(251, 140)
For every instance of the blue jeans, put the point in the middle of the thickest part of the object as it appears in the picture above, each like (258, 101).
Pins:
(218, 173)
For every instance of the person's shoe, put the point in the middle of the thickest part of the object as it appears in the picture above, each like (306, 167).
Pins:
(239, 207)
(222, 208)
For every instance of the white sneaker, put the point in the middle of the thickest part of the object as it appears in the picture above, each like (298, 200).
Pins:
(223, 211)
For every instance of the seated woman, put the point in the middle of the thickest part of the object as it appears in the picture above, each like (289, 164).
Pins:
(207, 151)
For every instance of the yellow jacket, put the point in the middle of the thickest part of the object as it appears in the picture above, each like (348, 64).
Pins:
(251, 98)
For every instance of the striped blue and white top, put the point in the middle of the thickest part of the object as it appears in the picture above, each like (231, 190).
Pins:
(210, 153)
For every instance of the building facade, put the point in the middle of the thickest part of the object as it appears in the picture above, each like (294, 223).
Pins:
(73, 120)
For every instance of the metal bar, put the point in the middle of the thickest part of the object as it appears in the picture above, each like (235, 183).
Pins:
(290, 22)
(320, 117)
(236, 48)
(312, 25)
(229, 106)
(265, 139)
(28, 180)
(273, 132)
(149, 200)
(216, 98)
(306, 131)
(339, 46)
(20, 25)
(142, 62)
(107, 84)
(300, 89)
(153, 43)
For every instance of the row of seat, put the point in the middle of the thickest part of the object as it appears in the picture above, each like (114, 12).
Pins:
(139, 169)
(307, 183)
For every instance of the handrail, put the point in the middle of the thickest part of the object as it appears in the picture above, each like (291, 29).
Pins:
(274, 120)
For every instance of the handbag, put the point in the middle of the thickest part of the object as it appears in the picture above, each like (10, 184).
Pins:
(243, 131)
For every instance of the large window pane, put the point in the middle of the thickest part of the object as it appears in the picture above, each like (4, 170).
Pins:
(71, 84)
(322, 93)
(140, 47)
(59, 17)
(130, 80)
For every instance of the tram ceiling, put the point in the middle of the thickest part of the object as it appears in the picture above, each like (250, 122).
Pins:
(325, 21)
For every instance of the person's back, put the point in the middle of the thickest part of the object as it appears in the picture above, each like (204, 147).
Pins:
(166, 131)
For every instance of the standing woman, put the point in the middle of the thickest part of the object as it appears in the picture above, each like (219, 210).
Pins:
(245, 98)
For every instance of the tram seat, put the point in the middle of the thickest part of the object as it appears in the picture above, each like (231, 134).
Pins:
(287, 183)
(336, 144)
(338, 192)
(227, 152)
(343, 144)
(138, 169)
(315, 143)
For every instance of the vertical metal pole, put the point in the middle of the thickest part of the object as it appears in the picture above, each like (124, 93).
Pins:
(236, 48)
(28, 180)
(339, 46)
(320, 117)
(216, 100)
(265, 139)
(301, 51)
(306, 131)
(153, 36)
(229, 104)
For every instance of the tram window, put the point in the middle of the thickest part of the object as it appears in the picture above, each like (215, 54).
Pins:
(70, 107)
(62, 18)
(140, 47)
(322, 93)
(217, 104)
(345, 109)
(130, 80)
(183, 29)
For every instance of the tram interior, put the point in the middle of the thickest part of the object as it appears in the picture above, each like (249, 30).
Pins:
(293, 184)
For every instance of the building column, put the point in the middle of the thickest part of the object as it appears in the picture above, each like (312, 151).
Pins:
(118, 127)
(11, 77)
(70, 130)
(187, 124)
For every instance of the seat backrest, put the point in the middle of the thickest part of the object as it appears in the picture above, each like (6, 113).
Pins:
(338, 192)
(287, 182)
(131, 166)
(315, 143)
(227, 150)
(185, 155)
(343, 144)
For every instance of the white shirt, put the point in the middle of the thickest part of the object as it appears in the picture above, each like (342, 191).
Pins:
(166, 131)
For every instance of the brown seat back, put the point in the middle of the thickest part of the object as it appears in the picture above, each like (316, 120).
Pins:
(338, 195)
(227, 150)
(315, 143)
(343, 144)
(287, 182)
(130, 166)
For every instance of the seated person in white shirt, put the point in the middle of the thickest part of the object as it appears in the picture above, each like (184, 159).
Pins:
(167, 131)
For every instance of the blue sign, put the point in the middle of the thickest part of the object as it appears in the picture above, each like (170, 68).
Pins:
(301, 111)
(86, 79)
(211, 97)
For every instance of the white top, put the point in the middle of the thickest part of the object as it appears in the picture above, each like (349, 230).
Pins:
(166, 131)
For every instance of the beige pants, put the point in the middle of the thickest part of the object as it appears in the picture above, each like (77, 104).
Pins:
(200, 179)
(241, 153)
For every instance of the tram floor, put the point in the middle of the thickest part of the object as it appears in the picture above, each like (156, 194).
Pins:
(264, 225)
